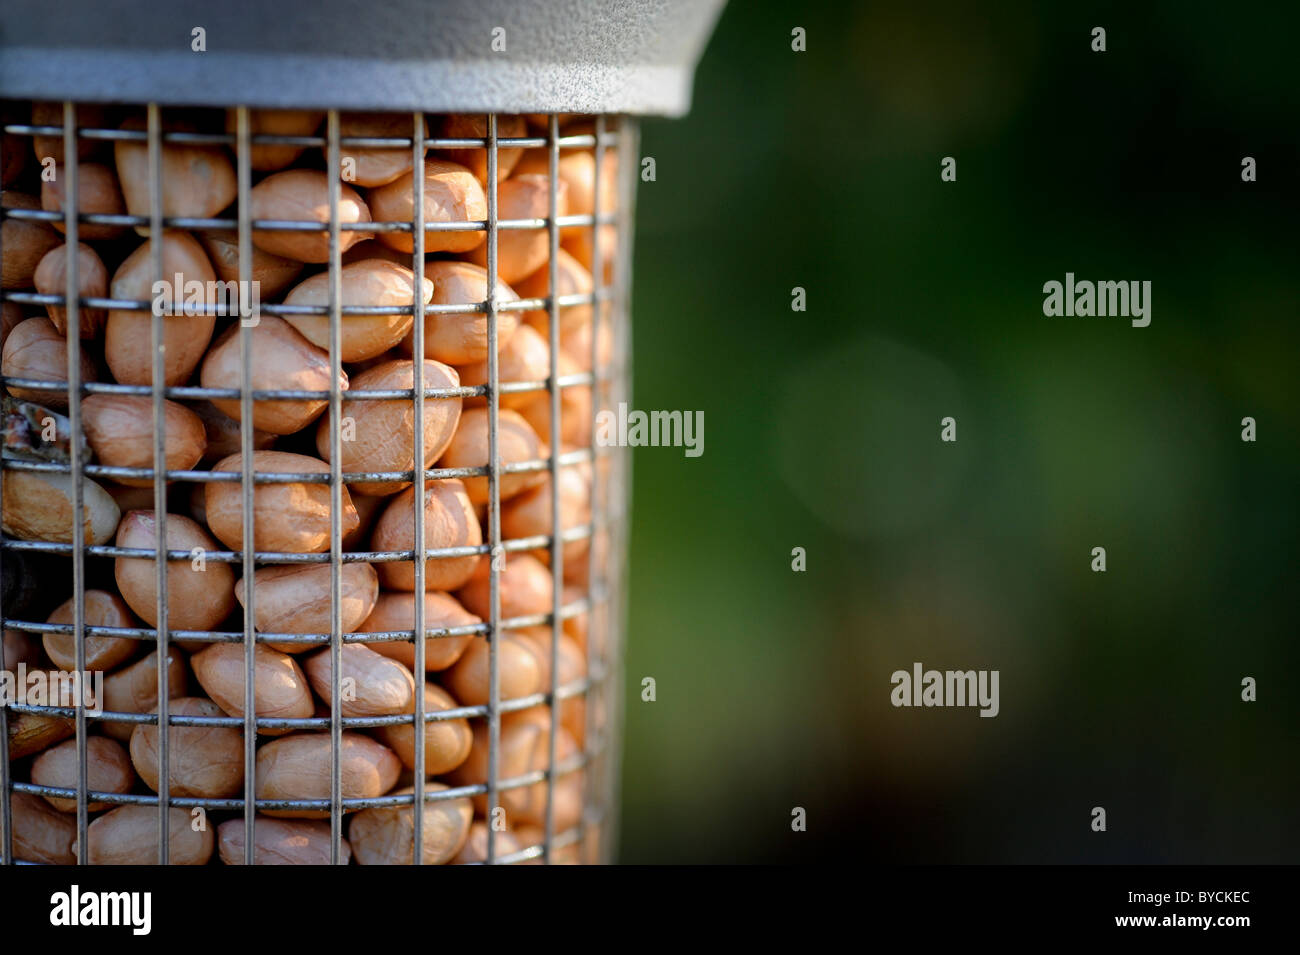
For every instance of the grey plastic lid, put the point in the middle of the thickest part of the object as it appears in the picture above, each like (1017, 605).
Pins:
(584, 56)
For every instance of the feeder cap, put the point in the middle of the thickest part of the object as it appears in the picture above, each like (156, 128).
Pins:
(501, 56)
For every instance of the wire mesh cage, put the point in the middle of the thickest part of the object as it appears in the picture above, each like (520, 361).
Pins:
(252, 301)
(533, 640)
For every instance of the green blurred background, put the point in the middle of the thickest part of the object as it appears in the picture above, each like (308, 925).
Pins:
(1122, 690)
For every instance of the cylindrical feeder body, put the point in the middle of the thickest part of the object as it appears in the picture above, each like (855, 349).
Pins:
(315, 320)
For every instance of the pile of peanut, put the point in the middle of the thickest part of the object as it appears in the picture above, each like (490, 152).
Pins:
(293, 437)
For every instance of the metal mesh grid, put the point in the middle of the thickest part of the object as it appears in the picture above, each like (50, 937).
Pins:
(601, 604)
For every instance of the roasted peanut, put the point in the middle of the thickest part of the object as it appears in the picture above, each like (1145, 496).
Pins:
(13, 159)
(280, 842)
(446, 742)
(198, 181)
(461, 338)
(108, 770)
(289, 518)
(120, 430)
(519, 670)
(11, 316)
(24, 648)
(529, 514)
(32, 732)
(376, 165)
(571, 278)
(24, 243)
(38, 507)
(526, 357)
(520, 252)
(368, 508)
(528, 836)
(134, 689)
(575, 409)
(101, 609)
(202, 761)
(451, 194)
(36, 350)
(89, 116)
(372, 684)
(372, 282)
(298, 767)
(386, 836)
(449, 521)
(272, 273)
(577, 343)
(129, 836)
(302, 195)
(50, 278)
(396, 611)
(295, 598)
(40, 832)
(222, 433)
(128, 339)
(374, 249)
(280, 689)
(380, 434)
(475, 848)
(97, 194)
(573, 667)
(517, 442)
(281, 360)
(525, 588)
(275, 122)
(200, 593)
(525, 748)
(577, 170)
(475, 158)
(581, 245)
